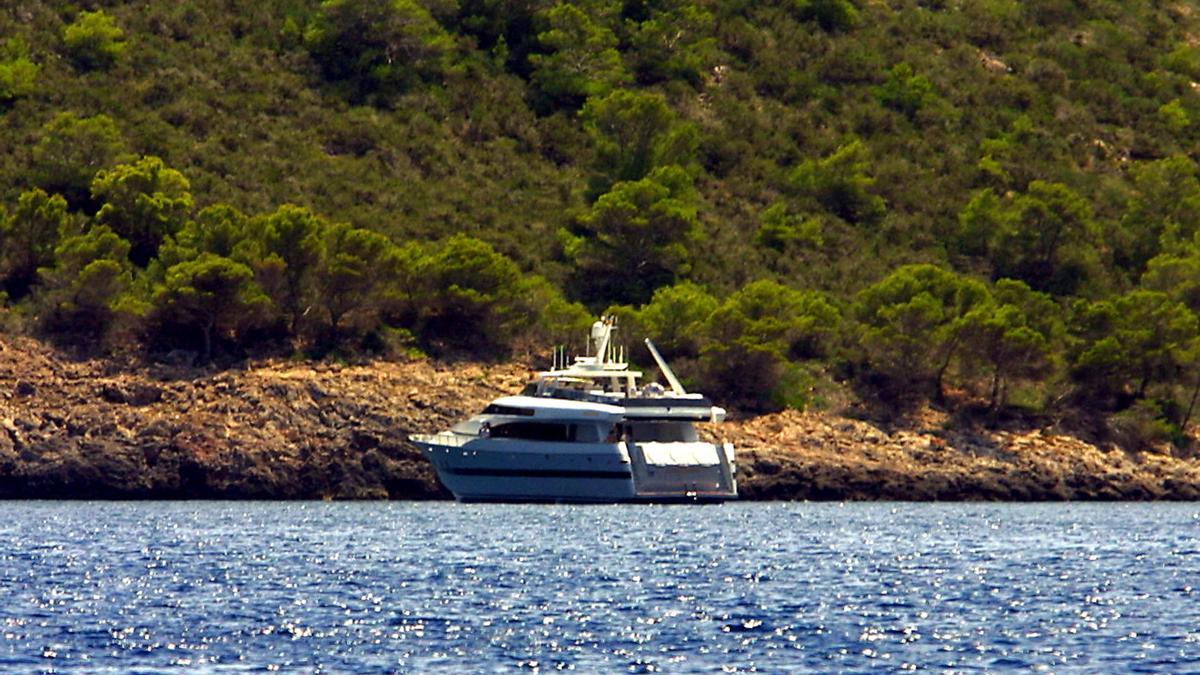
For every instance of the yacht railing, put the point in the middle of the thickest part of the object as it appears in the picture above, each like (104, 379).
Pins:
(446, 438)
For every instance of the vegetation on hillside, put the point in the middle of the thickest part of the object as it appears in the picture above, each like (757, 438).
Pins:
(907, 200)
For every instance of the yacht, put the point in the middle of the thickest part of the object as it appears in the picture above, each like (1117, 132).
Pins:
(586, 431)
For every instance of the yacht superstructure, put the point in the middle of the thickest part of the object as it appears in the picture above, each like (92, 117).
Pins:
(586, 431)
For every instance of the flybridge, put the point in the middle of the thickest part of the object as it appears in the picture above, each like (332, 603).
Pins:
(603, 376)
(604, 365)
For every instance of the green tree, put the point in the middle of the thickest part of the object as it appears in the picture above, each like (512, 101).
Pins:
(94, 41)
(1125, 344)
(355, 272)
(1164, 211)
(634, 132)
(1013, 334)
(211, 294)
(676, 318)
(219, 229)
(840, 184)
(830, 15)
(981, 222)
(1013, 159)
(1177, 275)
(794, 324)
(18, 74)
(1049, 242)
(71, 151)
(378, 48)
(670, 40)
(635, 238)
(292, 250)
(28, 239)
(559, 320)
(905, 91)
(472, 296)
(911, 324)
(83, 292)
(143, 202)
(581, 58)
(780, 229)
(753, 337)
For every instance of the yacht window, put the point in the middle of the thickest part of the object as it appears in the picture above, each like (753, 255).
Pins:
(587, 433)
(558, 432)
(496, 409)
(663, 432)
(534, 431)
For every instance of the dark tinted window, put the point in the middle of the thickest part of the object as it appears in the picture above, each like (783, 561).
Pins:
(663, 432)
(535, 431)
(494, 409)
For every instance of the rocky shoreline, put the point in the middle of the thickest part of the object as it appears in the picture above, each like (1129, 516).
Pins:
(277, 429)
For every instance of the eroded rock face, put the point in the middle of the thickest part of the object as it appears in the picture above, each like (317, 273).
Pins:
(816, 456)
(281, 430)
(271, 430)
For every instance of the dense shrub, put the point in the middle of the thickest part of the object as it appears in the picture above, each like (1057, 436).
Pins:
(70, 151)
(377, 48)
(94, 40)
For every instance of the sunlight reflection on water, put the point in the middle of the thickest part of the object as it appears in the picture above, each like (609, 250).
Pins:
(96, 587)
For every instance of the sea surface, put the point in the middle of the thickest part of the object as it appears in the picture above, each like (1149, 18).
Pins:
(414, 587)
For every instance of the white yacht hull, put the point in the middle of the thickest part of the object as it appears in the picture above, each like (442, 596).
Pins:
(486, 469)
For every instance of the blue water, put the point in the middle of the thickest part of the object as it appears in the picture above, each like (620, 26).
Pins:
(312, 587)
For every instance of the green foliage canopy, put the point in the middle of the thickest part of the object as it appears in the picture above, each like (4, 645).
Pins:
(635, 132)
(27, 240)
(912, 324)
(355, 271)
(1015, 333)
(81, 295)
(1163, 213)
(756, 333)
(1127, 343)
(18, 74)
(472, 296)
(143, 202)
(211, 294)
(291, 254)
(377, 48)
(635, 238)
(581, 58)
(676, 319)
(69, 153)
(94, 40)
(840, 184)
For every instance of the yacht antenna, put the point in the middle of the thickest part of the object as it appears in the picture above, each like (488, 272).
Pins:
(666, 370)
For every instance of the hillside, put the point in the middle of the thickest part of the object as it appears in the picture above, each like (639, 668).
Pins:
(805, 202)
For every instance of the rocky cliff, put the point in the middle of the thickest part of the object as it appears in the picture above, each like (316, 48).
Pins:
(278, 429)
